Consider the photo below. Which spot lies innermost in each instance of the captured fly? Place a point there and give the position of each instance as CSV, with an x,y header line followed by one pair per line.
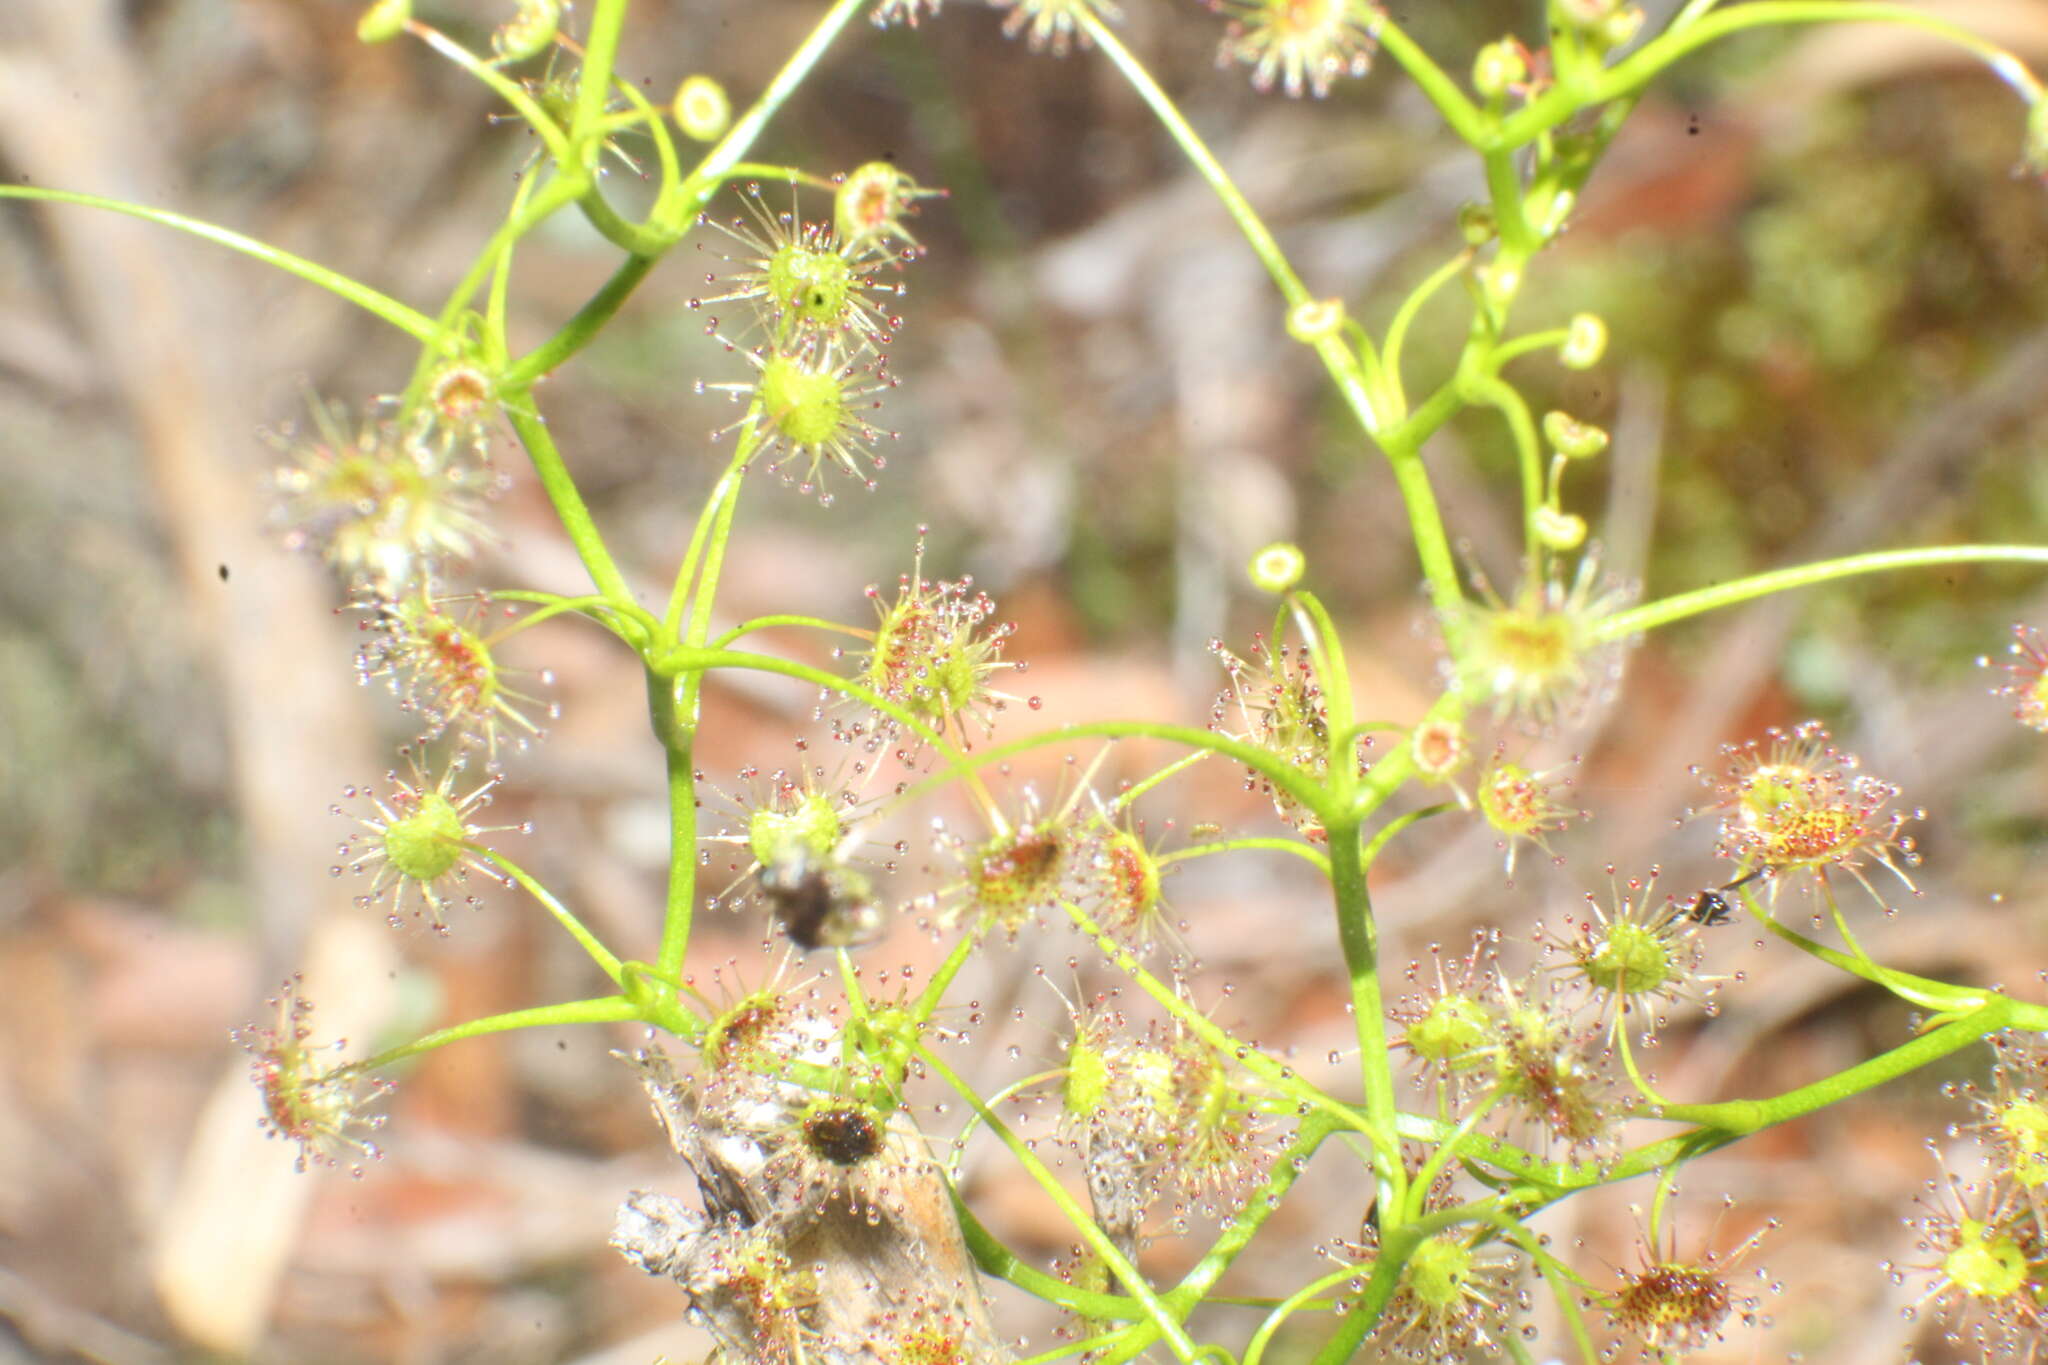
x,y
1710,908
820,904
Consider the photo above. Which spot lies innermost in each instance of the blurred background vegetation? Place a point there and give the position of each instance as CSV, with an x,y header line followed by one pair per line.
x,y
1826,289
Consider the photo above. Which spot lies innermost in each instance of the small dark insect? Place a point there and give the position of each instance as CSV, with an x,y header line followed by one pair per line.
x,y
819,906
1709,909
223,573
844,1137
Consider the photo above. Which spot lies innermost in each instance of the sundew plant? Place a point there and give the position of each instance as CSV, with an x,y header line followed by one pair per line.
x,y
823,1222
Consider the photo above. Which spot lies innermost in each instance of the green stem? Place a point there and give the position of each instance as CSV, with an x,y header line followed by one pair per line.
x,y
1641,66
1314,857
998,1260
1528,449
1651,615
1359,938
713,520
1404,316
1260,1205
593,607
1126,1274
770,622
1733,1118
560,487
1280,1077
607,1009
1525,345
503,86
579,330
719,163
594,79
1464,117
673,706
599,954
1255,1349
408,320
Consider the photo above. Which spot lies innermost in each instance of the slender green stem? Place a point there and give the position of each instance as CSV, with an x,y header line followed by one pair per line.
x,y
1360,940
1320,633
1314,857
502,85
1918,990
1426,520
998,1260
1124,798
635,239
408,320
1528,449
570,509
593,606
579,331
496,305
599,954
808,622
605,1009
1255,1349
1254,228
710,519
594,79
719,163
543,204
1316,1126
1280,1077
1126,1274
1638,68
673,705
1466,119
1404,317
1733,1118
1650,615
1526,345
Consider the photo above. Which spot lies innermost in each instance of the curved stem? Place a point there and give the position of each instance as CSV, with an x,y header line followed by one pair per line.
x,y
1514,409
1126,1274
560,486
580,329
502,85
1676,608
599,954
607,1009
1314,857
720,162
1404,316
1637,69
770,622
408,320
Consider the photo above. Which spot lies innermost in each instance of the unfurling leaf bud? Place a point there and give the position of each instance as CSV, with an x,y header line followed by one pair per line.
x,y
1498,68
1585,343
1311,322
1571,438
1559,530
384,21
1278,567
701,109
528,33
